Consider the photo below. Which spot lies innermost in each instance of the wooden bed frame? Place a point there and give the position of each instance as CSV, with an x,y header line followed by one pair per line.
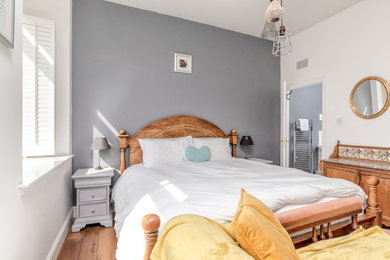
x,y
180,126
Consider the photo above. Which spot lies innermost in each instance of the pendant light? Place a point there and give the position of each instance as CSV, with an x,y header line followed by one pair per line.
x,y
281,38
269,31
274,12
282,43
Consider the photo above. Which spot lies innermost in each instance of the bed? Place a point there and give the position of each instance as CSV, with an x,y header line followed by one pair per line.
x,y
210,189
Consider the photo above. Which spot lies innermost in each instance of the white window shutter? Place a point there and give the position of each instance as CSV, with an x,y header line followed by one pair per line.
x,y
38,86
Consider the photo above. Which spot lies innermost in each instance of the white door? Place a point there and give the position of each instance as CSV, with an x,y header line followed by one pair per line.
x,y
284,127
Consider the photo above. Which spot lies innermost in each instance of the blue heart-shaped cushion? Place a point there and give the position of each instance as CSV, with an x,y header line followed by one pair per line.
x,y
198,155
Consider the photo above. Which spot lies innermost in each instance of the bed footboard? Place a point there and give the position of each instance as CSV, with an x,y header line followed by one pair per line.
x,y
320,224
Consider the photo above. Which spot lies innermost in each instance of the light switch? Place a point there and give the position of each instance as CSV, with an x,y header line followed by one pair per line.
x,y
320,117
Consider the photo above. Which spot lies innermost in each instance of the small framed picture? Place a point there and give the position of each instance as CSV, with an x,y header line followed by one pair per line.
x,y
7,22
183,63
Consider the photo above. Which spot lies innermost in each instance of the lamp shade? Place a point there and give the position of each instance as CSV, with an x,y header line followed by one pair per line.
x,y
269,31
100,143
274,12
246,140
282,43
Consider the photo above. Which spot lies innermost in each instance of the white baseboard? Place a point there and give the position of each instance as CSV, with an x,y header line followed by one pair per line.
x,y
57,244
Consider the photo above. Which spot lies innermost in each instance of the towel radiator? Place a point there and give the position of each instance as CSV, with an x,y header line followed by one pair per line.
x,y
303,147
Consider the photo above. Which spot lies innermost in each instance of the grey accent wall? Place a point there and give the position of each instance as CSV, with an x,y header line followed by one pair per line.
x,y
306,103
123,78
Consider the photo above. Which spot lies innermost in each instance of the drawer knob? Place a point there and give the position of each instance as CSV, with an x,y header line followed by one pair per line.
x,y
92,195
93,211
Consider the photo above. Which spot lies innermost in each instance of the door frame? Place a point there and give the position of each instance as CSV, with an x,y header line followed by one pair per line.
x,y
285,114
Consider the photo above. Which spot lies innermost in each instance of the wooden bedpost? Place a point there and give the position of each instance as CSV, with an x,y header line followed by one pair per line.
x,y
233,140
372,201
123,144
150,224
335,153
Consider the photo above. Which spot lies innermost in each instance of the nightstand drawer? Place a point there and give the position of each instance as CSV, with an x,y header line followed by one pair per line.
x,y
94,209
92,194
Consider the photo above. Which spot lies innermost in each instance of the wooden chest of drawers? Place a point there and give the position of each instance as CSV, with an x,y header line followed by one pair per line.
x,y
93,197
356,164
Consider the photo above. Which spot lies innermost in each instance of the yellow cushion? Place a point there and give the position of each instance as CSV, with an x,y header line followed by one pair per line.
x,y
259,232
192,237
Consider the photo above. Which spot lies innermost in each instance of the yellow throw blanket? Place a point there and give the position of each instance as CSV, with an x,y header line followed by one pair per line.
x,y
362,244
192,237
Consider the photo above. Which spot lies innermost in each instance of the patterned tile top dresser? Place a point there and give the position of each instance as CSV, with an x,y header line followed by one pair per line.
x,y
357,163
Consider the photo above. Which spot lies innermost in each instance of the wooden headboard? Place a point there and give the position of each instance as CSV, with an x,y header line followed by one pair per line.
x,y
170,127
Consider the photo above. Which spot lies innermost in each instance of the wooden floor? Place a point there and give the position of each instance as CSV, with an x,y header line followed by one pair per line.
x,y
94,242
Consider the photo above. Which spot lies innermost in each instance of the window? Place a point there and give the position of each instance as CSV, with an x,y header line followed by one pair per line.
x,y
38,87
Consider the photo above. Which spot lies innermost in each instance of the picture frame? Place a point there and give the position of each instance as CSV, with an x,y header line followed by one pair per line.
x,y
183,63
7,22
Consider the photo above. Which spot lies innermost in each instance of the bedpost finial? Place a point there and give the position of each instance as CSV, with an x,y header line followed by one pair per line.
x,y
151,222
374,181
234,131
122,132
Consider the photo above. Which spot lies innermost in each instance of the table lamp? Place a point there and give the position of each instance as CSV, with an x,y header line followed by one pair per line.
x,y
100,143
246,140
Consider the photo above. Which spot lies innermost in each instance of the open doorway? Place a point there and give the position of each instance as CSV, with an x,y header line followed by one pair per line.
x,y
305,128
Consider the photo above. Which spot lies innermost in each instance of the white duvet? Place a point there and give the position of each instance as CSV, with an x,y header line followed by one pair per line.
x,y
211,189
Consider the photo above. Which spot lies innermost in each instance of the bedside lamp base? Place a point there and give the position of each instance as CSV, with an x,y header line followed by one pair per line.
x,y
98,167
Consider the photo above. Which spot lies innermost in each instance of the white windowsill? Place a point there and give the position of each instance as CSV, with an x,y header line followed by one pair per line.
x,y
35,168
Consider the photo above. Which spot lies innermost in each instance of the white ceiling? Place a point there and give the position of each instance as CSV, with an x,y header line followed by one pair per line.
x,y
244,16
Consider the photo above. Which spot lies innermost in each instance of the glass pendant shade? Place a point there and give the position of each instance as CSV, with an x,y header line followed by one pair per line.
x,y
282,43
269,31
274,12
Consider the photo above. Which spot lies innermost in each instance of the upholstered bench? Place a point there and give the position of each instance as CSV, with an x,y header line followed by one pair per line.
x,y
319,214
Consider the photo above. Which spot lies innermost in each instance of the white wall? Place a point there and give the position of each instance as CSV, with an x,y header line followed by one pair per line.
x,y
59,11
30,223
342,50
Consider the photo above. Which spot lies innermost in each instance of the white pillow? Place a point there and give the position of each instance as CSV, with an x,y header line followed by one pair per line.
x,y
219,147
157,150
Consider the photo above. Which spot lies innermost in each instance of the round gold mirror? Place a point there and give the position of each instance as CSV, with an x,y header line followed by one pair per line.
x,y
370,97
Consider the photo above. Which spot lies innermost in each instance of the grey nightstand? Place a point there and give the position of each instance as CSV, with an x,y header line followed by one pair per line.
x,y
93,197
